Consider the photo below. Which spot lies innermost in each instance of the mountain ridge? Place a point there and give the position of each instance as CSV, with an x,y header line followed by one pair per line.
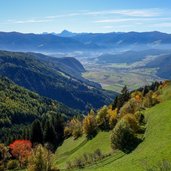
x,y
16,41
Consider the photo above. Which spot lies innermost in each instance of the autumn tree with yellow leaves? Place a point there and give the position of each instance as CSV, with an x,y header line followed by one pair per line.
x,y
90,125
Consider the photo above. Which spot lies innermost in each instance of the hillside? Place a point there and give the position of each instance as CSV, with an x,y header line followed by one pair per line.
x,y
163,63
19,107
128,57
155,147
59,79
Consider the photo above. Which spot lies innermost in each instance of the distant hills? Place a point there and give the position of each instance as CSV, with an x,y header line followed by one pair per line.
x,y
36,42
129,56
163,65
59,79
67,41
124,37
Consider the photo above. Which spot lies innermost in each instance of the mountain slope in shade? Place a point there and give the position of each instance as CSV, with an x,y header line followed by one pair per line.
x,y
49,78
21,106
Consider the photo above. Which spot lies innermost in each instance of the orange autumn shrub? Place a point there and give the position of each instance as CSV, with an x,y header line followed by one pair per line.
x,y
21,150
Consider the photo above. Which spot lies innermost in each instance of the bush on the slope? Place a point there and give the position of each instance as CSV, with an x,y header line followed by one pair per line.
x,y
21,150
40,159
12,164
102,118
123,137
90,125
132,121
86,159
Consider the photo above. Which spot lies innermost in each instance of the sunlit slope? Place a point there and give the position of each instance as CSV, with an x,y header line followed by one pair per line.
x,y
155,147
72,149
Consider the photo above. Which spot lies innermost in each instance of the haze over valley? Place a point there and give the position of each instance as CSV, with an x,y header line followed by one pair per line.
x,y
103,55
85,85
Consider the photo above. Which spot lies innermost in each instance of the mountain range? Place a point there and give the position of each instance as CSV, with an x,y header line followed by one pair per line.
x,y
67,41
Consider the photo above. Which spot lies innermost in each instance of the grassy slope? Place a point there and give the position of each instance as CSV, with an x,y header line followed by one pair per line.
x,y
155,147
72,149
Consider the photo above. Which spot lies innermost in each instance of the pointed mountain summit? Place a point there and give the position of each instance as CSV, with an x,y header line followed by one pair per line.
x,y
66,33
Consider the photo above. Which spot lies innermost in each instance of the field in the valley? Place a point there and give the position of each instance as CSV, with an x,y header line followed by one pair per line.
x,y
114,78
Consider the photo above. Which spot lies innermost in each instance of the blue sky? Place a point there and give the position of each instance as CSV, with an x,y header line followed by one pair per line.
x,y
39,16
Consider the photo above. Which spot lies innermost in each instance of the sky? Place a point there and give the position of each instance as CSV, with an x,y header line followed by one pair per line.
x,y
97,16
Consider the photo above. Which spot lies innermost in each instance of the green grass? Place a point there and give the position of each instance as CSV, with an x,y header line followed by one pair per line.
x,y
155,147
72,149
166,93
115,87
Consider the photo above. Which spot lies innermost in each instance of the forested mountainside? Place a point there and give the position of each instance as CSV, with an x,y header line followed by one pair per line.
x,y
117,136
54,78
68,65
19,107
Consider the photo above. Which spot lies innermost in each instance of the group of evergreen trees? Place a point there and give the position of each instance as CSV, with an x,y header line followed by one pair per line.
x,y
26,115
48,131
121,99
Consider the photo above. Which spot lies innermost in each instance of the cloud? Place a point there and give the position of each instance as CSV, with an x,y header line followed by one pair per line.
x,y
105,17
124,12
154,12
63,15
119,20
117,27
129,12
116,20
107,27
29,21
141,13
164,24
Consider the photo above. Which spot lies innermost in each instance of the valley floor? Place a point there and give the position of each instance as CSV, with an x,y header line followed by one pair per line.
x,y
116,77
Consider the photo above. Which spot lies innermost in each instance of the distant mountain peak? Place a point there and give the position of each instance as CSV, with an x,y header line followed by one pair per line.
x,y
66,33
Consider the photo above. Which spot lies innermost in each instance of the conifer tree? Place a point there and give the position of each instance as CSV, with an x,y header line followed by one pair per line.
x,y
124,97
50,137
36,133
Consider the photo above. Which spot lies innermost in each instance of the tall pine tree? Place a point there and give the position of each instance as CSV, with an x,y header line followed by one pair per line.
x,y
36,133
50,136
